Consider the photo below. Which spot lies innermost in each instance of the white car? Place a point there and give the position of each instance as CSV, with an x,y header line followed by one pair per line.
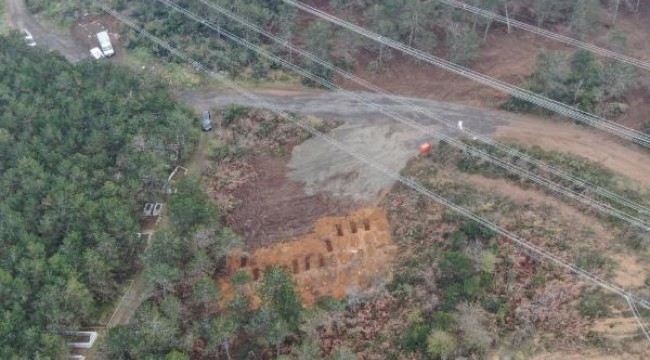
x,y
29,39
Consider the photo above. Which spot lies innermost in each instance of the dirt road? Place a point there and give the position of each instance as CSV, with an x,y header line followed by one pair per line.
x,y
366,130
44,35
373,134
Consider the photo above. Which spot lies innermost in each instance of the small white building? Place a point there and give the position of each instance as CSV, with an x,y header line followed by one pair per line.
x,y
91,335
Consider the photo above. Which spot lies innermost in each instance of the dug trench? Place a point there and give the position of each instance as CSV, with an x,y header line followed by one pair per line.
x,y
341,258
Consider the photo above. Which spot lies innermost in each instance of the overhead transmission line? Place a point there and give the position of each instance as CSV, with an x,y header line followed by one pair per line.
x,y
639,319
615,55
553,105
423,111
422,128
534,250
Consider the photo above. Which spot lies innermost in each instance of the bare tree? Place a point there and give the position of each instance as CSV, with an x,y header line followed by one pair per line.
x,y
471,320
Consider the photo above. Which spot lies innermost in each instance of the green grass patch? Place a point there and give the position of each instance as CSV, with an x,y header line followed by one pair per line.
x,y
182,76
178,76
594,303
592,260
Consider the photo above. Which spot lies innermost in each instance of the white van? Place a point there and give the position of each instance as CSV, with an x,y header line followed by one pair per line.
x,y
105,43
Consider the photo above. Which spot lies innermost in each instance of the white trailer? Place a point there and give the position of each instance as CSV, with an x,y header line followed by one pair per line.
x,y
105,43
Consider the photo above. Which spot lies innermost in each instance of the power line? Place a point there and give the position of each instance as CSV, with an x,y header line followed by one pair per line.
x,y
531,248
553,105
424,129
512,152
549,34
638,318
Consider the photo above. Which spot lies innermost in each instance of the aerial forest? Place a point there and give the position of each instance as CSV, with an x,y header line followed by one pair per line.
x,y
82,148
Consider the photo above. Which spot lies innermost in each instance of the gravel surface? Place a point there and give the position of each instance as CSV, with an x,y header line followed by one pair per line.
x,y
44,36
365,130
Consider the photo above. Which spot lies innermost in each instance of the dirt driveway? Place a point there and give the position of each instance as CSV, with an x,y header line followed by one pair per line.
x,y
369,132
44,35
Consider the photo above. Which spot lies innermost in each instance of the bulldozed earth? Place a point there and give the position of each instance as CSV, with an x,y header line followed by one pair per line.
x,y
342,257
246,172
340,247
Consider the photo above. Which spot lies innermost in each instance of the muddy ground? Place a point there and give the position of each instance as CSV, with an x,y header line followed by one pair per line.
x,y
341,257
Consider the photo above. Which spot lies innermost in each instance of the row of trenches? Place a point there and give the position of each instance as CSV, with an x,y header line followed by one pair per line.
x,y
353,227
308,262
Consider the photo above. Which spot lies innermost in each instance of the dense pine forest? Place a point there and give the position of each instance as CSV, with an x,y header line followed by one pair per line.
x,y
82,148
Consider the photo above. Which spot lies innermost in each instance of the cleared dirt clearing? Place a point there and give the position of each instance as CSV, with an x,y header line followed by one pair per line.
x,y
273,207
373,134
623,158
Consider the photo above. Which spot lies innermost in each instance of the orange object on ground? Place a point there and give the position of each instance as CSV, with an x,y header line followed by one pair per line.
x,y
425,148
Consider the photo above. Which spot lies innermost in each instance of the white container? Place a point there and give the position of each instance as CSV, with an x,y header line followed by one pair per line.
x,y
96,53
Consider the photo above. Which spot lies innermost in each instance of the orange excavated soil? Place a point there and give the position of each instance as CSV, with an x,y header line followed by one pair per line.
x,y
342,257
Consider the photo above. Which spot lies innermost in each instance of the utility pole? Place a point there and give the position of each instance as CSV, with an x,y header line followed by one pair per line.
x,y
618,3
507,18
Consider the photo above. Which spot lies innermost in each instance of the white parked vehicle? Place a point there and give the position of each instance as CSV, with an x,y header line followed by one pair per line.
x,y
105,43
96,53
29,39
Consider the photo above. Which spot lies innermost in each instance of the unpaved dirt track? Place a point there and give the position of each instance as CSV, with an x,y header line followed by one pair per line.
x,y
384,140
44,36
366,131
623,158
